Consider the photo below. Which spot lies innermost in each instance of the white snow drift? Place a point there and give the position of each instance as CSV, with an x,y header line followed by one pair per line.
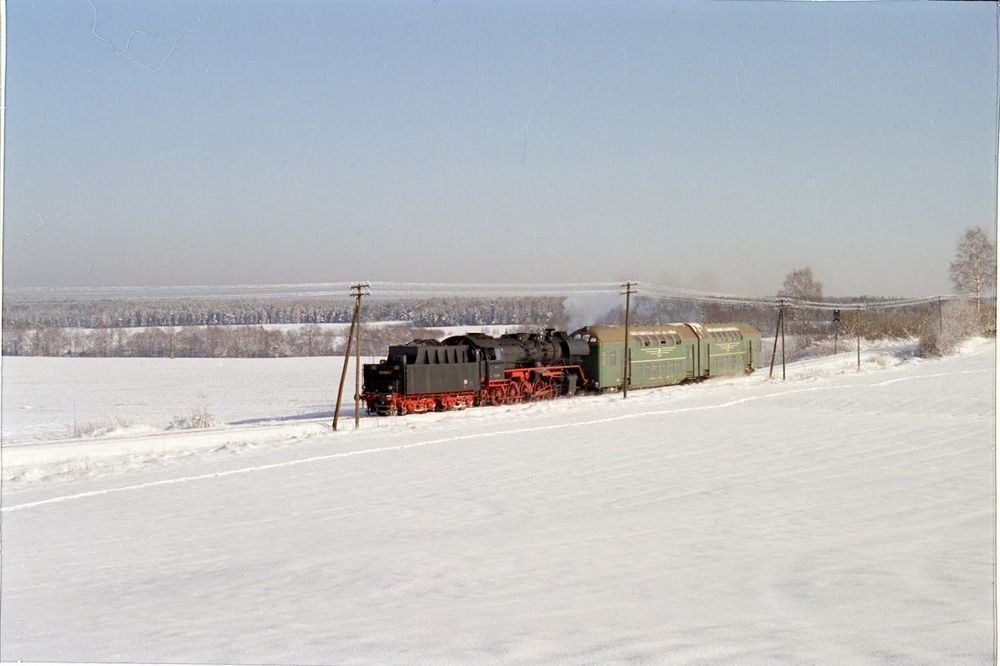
x,y
838,517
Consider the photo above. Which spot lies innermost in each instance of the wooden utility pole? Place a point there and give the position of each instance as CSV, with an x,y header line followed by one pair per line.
x,y
859,336
778,326
626,369
357,291
782,342
357,370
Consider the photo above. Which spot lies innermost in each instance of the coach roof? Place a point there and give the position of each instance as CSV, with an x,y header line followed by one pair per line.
x,y
692,331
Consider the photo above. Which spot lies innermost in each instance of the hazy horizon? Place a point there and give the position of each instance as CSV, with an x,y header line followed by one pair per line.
x,y
714,146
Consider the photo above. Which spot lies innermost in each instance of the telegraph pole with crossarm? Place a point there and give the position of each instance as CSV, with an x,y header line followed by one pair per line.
x,y
357,291
627,290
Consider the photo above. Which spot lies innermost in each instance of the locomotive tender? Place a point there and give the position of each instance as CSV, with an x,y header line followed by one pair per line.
x,y
478,369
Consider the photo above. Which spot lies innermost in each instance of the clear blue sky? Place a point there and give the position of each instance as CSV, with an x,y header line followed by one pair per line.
x,y
714,145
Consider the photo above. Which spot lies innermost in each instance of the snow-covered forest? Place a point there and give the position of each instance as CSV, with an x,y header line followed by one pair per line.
x,y
132,313
246,328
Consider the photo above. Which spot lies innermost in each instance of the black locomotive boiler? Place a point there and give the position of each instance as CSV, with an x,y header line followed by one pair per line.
x,y
474,369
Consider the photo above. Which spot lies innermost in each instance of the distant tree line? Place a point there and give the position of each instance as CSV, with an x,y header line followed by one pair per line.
x,y
218,328
214,328
134,313
201,342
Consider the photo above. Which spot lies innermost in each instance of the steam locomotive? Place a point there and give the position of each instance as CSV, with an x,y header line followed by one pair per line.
x,y
474,369
477,369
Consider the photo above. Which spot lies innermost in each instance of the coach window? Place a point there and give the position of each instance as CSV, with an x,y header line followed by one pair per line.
x,y
613,358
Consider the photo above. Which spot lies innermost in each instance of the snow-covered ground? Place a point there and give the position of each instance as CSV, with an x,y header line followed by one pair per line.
x,y
837,517
55,398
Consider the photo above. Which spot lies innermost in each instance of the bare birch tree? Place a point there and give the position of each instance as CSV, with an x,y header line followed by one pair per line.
x,y
800,284
974,270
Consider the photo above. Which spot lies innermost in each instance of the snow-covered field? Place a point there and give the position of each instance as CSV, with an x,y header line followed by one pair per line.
x,y
56,398
837,517
44,397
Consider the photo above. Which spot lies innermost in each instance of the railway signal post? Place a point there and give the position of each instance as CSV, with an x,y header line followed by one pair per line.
x,y
626,361
836,329
357,291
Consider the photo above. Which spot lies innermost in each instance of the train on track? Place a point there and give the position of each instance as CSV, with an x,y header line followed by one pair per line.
x,y
477,369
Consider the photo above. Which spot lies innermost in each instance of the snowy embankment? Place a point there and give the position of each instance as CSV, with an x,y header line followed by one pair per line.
x,y
838,517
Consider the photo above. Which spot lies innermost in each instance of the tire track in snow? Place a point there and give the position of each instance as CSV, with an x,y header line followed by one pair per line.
x,y
938,374
459,438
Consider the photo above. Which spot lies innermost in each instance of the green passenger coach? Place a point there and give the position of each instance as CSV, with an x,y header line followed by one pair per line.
x,y
663,354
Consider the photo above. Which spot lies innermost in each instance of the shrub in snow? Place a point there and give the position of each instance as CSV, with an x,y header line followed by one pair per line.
x,y
959,320
200,418
97,429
